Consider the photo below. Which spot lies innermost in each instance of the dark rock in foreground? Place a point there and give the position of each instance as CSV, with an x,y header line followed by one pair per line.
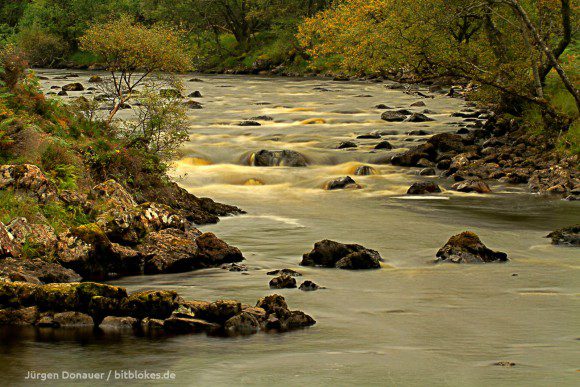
x,y
393,116
346,145
567,236
478,186
278,158
328,253
74,305
468,248
73,87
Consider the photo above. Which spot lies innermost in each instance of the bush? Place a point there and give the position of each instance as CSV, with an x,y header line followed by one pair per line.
x,y
41,47
13,66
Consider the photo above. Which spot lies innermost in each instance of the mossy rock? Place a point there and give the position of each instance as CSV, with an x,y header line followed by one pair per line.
x,y
16,294
75,296
155,304
92,234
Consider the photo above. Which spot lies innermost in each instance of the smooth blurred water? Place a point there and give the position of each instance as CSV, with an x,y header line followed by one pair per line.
x,y
411,323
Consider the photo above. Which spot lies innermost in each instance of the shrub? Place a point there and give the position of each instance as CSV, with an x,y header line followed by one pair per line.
x,y
41,47
13,66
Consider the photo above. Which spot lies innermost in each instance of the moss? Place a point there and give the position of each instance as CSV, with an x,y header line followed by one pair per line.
x,y
15,294
464,240
155,304
91,233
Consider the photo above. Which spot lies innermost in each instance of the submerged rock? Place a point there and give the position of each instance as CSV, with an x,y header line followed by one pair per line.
x,y
329,253
423,187
282,158
249,123
289,272
283,282
309,286
369,136
384,145
346,145
567,236
418,117
365,170
468,248
346,182
478,186
393,116
73,87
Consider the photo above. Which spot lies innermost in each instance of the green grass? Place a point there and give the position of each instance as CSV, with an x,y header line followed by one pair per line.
x,y
81,58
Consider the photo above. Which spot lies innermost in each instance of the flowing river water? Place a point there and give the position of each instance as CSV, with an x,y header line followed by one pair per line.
x,y
413,323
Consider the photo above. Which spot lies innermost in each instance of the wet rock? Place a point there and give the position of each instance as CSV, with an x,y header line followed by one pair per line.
x,y
59,297
384,145
73,87
158,304
217,312
117,323
382,106
423,188
393,116
71,319
418,104
297,319
249,123
427,172
463,131
283,282
95,79
419,132
19,317
62,93
151,324
477,186
418,117
505,364
371,135
193,104
290,272
29,179
234,267
365,170
308,286
195,94
346,182
170,251
213,251
242,324
328,253
346,145
567,236
412,156
284,158
468,248
445,142
184,325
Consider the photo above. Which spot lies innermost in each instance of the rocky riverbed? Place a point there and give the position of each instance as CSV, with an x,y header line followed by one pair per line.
x,y
410,321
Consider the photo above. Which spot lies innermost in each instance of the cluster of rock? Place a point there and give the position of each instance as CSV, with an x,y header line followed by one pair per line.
x,y
91,305
327,253
567,236
125,238
285,280
498,150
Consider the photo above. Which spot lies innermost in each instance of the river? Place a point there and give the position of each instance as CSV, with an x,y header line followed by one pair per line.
x,y
411,323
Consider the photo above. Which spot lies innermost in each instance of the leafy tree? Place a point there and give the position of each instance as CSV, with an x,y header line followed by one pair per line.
x,y
132,52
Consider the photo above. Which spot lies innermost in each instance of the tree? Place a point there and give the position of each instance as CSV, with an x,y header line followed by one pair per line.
x,y
503,45
132,52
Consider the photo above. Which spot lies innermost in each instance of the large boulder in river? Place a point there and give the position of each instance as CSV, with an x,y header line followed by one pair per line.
x,y
342,183
172,251
36,271
418,117
423,187
393,116
283,282
567,236
73,87
411,157
282,158
468,248
329,253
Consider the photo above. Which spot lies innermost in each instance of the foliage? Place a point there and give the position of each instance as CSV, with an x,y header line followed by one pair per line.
x,y
132,51
41,47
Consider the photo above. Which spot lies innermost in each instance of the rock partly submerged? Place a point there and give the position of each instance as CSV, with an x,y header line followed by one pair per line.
x,y
468,248
567,236
329,253
108,307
